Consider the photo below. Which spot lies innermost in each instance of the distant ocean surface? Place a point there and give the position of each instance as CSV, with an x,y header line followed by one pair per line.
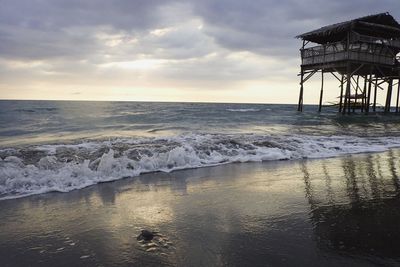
x,y
62,145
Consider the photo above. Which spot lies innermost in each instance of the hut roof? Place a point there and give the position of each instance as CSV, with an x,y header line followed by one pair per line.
x,y
380,25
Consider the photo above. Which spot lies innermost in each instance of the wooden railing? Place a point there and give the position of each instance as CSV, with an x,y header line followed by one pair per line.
x,y
356,37
357,51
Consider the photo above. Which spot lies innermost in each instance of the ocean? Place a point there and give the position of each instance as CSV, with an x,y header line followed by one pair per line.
x,y
48,146
217,184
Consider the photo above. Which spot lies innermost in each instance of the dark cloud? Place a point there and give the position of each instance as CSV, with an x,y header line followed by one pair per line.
x,y
268,27
34,29
56,14
50,28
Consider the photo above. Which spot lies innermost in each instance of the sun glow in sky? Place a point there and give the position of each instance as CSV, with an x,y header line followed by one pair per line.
x,y
164,50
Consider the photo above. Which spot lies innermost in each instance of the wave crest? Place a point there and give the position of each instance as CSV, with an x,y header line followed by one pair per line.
x,y
40,169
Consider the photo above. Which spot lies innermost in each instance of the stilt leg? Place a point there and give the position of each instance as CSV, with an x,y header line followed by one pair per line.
x,y
341,94
389,96
368,95
375,93
398,95
322,91
300,105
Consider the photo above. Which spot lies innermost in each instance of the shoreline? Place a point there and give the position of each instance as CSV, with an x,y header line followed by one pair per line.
x,y
280,213
10,198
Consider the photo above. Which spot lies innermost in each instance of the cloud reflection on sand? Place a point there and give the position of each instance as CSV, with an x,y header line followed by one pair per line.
x,y
326,212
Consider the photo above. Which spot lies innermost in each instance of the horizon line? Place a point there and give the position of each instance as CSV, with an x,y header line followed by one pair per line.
x,y
151,101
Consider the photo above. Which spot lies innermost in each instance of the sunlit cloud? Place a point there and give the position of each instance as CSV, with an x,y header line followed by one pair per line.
x,y
161,32
141,64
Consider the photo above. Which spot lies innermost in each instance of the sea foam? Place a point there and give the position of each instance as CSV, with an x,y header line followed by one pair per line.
x,y
243,109
61,167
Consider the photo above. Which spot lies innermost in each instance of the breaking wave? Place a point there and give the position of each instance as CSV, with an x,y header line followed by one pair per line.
x,y
65,167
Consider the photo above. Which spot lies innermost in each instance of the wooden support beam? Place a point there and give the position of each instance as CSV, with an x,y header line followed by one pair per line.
x,y
300,105
337,78
380,70
309,76
341,94
356,86
363,100
357,69
355,94
347,94
369,94
307,72
375,92
397,98
389,96
383,81
378,85
322,91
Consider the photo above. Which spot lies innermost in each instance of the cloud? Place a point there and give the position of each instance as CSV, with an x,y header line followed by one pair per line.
x,y
37,29
136,42
45,29
268,27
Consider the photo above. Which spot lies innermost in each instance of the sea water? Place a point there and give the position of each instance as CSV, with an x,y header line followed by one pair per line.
x,y
63,145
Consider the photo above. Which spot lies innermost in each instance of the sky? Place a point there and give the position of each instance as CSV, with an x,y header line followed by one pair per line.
x,y
165,50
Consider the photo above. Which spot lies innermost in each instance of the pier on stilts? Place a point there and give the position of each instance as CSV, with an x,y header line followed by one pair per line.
x,y
362,55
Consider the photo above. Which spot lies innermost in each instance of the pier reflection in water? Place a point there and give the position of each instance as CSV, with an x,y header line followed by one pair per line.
x,y
324,212
358,213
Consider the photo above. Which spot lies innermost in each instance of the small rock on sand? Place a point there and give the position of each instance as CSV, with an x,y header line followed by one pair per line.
x,y
145,235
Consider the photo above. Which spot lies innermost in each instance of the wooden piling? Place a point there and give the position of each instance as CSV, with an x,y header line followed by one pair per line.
x,y
398,95
348,98
355,94
300,105
322,91
389,95
369,94
347,94
341,94
363,100
375,92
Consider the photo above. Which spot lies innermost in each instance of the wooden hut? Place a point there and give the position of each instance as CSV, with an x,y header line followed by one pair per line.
x,y
361,54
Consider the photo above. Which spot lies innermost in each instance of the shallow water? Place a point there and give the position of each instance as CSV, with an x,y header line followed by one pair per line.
x,y
324,212
62,146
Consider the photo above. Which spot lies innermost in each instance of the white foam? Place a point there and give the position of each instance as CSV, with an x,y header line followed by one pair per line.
x,y
243,109
68,167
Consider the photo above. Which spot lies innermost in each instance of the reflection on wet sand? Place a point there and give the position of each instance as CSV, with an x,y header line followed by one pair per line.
x,y
330,212
365,220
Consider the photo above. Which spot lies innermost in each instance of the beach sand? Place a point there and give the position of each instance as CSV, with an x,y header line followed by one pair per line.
x,y
324,212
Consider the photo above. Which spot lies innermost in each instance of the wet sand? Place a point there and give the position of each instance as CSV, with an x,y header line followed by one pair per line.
x,y
327,212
